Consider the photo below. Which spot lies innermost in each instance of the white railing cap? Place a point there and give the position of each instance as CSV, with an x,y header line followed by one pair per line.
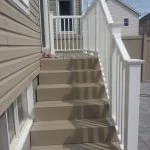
x,y
135,61
67,17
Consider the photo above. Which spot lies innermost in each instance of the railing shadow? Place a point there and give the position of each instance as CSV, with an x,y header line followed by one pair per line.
x,y
93,129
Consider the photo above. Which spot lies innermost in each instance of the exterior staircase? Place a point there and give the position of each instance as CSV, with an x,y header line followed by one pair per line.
x,y
72,109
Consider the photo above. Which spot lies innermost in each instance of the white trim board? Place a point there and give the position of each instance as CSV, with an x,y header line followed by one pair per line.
x,y
21,139
24,5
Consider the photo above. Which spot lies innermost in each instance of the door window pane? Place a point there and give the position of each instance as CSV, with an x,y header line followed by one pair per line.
x,y
66,7
11,123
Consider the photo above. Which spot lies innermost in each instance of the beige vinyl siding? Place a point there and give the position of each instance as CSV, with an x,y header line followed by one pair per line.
x,y
78,7
52,6
20,48
119,12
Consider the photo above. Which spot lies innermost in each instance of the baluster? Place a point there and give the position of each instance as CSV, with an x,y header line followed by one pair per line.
x,y
56,34
61,30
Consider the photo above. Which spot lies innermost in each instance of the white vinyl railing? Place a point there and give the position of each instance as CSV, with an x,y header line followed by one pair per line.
x,y
102,37
65,32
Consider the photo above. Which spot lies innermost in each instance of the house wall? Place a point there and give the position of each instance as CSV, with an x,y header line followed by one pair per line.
x,y
119,12
20,48
53,6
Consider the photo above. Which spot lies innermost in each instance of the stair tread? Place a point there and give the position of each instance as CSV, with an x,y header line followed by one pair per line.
x,y
69,124
70,103
43,86
84,146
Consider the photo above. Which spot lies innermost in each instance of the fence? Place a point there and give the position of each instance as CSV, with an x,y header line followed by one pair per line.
x,y
139,48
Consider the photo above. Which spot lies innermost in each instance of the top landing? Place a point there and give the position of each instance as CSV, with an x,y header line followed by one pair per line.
x,y
71,55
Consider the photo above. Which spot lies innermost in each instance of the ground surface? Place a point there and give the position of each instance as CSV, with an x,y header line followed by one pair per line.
x,y
144,125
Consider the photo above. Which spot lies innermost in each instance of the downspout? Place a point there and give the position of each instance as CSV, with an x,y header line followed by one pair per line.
x,y
46,25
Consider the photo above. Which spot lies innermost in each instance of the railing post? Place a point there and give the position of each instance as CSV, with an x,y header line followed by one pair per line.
x,y
88,31
46,24
51,33
132,101
116,31
96,27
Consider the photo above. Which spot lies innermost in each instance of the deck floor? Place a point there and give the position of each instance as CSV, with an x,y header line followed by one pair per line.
x,y
72,54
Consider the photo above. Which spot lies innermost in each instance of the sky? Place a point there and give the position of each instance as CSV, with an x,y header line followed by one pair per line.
x,y
143,6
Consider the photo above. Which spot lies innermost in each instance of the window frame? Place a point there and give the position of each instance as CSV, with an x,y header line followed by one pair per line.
x,y
23,5
126,22
21,129
11,143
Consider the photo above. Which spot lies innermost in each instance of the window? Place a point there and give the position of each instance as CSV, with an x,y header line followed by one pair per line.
x,y
19,118
17,114
23,4
126,22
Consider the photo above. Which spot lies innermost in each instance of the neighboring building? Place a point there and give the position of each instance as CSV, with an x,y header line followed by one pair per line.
x,y
145,25
126,15
66,7
20,48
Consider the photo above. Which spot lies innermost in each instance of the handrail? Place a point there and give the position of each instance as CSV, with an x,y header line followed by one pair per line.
x,y
107,12
102,37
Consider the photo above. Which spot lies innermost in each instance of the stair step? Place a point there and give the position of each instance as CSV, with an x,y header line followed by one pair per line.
x,y
70,91
85,146
69,64
69,77
75,109
71,132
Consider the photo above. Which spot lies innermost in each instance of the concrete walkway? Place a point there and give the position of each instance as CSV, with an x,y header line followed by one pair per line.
x,y
144,124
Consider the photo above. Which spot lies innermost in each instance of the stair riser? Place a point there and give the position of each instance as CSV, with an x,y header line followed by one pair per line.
x,y
70,77
69,136
59,94
71,112
70,64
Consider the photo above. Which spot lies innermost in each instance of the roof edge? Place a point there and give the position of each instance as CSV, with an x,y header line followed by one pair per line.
x,y
146,15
